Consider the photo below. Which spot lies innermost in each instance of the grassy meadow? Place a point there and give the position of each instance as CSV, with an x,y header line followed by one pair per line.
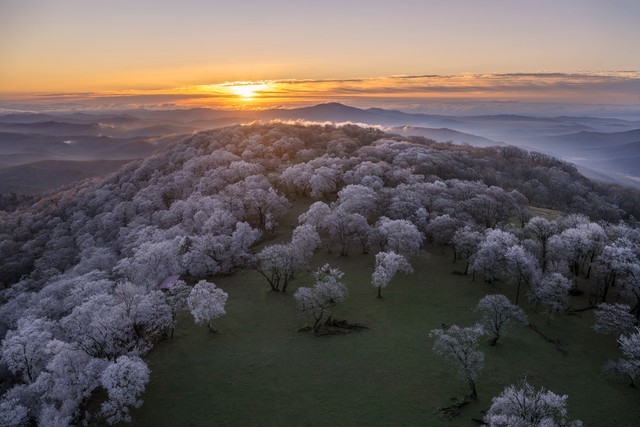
x,y
260,371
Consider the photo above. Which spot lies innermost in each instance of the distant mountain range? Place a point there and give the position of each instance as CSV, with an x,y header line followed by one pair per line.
x,y
41,176
604,148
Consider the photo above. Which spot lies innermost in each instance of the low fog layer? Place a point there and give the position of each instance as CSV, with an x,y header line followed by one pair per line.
x,y
605,149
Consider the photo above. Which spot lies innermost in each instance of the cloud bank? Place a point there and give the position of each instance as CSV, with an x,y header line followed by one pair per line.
x,y
464,93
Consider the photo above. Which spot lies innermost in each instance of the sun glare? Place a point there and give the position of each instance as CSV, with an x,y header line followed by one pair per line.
x,y
247,91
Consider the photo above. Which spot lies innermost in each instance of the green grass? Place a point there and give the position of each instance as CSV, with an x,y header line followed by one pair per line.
x,y
550,214
258,370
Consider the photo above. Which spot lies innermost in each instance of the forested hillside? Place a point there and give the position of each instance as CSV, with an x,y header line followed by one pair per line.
x,y
81,267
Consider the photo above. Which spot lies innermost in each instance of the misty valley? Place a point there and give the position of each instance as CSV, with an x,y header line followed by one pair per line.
x,y
36,148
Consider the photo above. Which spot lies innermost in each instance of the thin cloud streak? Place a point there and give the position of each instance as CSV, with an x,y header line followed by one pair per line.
x,y
614,88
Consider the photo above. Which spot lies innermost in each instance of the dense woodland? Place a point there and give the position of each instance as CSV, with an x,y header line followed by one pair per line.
x,y
81,266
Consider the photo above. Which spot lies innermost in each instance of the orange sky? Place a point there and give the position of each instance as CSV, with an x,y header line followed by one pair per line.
x,y
621,88
298,52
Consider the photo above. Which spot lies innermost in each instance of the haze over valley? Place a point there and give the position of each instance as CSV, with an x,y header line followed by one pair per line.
x,y
604,149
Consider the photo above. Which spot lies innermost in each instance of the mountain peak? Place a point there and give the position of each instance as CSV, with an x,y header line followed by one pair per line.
x,y
334,106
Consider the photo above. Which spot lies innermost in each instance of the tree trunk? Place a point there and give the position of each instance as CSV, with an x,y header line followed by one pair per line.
x,y
344,251
474,392
211,330
607,285
379,291
493,341
590,263
518,293
316,325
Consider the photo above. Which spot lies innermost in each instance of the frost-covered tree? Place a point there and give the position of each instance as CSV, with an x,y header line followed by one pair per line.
x,y
459,347
341,227
176,297
629,365
242,238
630,285
124,380
552,291
315,215
523,406
151,263
465,243
325,180
69,379
398,235
613,319
102,327
261,202
388,264
219,253
498,312
441,229
12,413
578,246
305,239
151,315
357,198
279,264
491,256
206,302
617,261
542,229
327,292
522,267
23,348
361,232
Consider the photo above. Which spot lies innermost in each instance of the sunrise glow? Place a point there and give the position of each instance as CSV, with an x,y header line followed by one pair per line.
x,y
69,52
246,91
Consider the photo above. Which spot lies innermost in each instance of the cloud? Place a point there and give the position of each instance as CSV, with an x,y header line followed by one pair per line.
x,y
617,88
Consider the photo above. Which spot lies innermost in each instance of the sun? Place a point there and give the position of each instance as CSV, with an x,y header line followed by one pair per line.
x,y
247,91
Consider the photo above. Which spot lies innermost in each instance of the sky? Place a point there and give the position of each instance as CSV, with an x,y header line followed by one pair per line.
x,y
261,54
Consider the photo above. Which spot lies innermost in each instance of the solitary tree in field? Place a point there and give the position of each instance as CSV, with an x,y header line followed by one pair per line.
x,y
279,264
459,347
497,312
387,265
325,294
523,406
206,303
